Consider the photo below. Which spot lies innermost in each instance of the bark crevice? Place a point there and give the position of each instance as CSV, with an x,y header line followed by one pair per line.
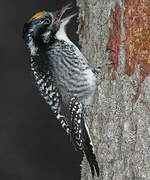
x,y
120,125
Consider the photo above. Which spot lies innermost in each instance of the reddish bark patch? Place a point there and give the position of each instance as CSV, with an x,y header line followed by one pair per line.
x,y
137,36
114,37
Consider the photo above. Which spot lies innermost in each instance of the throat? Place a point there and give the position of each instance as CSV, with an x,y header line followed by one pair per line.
x,y
61,35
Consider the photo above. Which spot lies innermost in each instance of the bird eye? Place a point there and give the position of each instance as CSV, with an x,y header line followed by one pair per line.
x,y
47,21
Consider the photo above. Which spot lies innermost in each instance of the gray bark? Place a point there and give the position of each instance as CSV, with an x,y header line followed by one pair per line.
x,y
120,127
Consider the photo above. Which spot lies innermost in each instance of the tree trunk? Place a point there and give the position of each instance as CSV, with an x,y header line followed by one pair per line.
x,y
120,116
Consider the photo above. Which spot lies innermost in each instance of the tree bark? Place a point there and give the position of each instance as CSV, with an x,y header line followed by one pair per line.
x,y
120,116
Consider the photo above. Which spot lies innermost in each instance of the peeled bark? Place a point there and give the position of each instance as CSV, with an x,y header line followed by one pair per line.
x,y
120,116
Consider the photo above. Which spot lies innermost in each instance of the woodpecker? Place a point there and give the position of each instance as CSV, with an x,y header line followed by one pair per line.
x,y
63,76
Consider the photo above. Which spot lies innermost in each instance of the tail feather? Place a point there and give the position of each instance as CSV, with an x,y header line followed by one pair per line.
x,y
80,136
88,150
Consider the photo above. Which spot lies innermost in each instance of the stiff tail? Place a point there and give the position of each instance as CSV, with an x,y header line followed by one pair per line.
x,y
80,136
88,150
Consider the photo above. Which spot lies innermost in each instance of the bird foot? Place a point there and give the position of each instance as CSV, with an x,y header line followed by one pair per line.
x,y
104,62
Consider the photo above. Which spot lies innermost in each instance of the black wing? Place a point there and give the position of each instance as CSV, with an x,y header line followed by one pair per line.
x,y
46,84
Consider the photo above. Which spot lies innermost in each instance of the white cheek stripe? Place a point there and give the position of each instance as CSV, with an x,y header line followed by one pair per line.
x,y
61,33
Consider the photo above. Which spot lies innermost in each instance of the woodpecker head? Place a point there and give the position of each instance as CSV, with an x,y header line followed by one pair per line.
x,y
42,28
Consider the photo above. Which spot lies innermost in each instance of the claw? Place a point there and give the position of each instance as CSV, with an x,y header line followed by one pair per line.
x,y
105,61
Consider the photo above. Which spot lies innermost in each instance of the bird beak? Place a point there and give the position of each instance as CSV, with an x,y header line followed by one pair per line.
x,y
60,13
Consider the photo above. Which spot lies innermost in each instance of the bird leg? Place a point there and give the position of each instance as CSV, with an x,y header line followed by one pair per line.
x,y
104,62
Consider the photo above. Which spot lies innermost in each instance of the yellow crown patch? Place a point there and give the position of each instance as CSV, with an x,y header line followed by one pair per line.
x,y
37,15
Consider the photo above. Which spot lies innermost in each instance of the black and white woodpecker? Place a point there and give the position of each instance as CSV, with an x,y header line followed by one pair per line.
x,y
63,76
